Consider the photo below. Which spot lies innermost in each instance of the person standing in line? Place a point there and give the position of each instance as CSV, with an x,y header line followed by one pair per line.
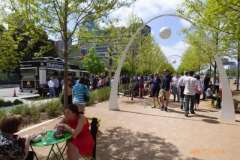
x,y
141,87
56,86
189,93
198,91
155,90
150,84
51,87
181,86
206,83
165,90
80,92
174,85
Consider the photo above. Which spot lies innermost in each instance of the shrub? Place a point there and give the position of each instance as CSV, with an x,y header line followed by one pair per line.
x,y
103,94
35,114
21,109
17,102
92,98
9,103
42,107
54,108
1,102
2,114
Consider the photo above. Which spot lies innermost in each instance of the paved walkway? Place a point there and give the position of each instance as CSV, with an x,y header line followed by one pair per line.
x,y
138,132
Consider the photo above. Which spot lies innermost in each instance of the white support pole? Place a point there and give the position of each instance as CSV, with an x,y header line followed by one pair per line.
x,y
227,110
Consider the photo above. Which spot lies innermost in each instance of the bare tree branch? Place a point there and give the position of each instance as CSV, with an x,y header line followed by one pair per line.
x,y
81,17
55,5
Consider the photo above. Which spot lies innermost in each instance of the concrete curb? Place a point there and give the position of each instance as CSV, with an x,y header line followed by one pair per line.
x,y
38,125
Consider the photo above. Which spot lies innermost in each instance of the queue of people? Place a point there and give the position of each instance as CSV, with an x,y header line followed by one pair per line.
x,y
186,89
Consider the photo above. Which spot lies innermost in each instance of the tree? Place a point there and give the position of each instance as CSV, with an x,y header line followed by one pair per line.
x,y
64,17
29,41
213,19
8,55
93,63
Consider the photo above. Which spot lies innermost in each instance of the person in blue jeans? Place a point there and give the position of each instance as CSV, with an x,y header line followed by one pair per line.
x,y
190,92
80,92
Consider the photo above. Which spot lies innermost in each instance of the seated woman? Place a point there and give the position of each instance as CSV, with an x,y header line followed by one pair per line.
x,y
82,143
13,147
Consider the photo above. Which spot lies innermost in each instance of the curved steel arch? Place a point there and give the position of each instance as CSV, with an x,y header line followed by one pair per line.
x,y
227,112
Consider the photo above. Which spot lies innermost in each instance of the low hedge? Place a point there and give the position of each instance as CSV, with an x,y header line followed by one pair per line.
x,y
99,95
9,103
51,109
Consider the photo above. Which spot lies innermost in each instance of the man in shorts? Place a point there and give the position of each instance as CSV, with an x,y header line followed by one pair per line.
x,y
165,90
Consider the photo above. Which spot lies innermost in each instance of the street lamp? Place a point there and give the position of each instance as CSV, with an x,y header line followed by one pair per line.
x,y
227,110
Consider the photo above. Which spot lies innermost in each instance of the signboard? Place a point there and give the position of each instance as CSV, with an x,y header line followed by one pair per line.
x,y
55,66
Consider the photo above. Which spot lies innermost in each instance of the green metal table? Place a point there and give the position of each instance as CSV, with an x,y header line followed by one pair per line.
x,y
49,140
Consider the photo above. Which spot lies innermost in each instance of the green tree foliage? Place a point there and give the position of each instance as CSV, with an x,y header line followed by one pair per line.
x,y
63,17
8,56
216,30
26,41
93,63
144,56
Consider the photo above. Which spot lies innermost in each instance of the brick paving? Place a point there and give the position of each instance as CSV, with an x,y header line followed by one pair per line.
x,y
138,132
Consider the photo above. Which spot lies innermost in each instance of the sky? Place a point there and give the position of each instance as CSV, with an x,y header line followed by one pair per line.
x,y
147,9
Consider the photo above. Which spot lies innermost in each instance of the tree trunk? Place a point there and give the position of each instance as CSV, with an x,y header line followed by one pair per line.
x,y
215,64
210,69
238,65
65,39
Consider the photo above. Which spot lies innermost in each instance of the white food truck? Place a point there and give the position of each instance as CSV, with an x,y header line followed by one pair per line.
x,y
36,73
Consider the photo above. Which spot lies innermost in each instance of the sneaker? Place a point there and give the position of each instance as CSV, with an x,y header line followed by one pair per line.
x,y
153,106
186,114
192,112
166,109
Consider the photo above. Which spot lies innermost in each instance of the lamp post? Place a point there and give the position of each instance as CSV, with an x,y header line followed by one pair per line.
x,y
227,111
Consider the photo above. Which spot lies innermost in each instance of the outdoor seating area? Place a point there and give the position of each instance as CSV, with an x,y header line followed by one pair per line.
x,y
119,79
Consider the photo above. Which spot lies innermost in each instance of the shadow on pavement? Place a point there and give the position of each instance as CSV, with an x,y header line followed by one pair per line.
x,y
211,121
122,144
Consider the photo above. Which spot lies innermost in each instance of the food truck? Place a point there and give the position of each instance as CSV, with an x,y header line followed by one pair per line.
x,y
36,73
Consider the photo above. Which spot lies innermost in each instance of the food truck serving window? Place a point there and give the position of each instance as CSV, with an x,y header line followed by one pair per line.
x,y
28,73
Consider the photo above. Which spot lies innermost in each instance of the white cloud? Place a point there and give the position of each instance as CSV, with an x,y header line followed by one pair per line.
x,y
177,49
146,9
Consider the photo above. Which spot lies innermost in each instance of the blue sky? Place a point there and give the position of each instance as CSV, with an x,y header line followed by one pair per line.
x,y
147,9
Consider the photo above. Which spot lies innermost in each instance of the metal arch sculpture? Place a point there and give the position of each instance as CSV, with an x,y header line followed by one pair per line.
x,y
227,111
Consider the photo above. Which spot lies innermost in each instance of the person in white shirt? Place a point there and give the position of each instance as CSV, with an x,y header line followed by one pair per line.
x,y
51,87
181,86
174,85
189,93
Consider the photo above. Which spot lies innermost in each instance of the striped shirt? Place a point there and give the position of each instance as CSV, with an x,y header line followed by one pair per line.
x,y
79,92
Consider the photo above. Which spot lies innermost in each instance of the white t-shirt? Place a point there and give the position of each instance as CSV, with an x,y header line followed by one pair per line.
x,y
175,81
50,84
190,85
181,81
